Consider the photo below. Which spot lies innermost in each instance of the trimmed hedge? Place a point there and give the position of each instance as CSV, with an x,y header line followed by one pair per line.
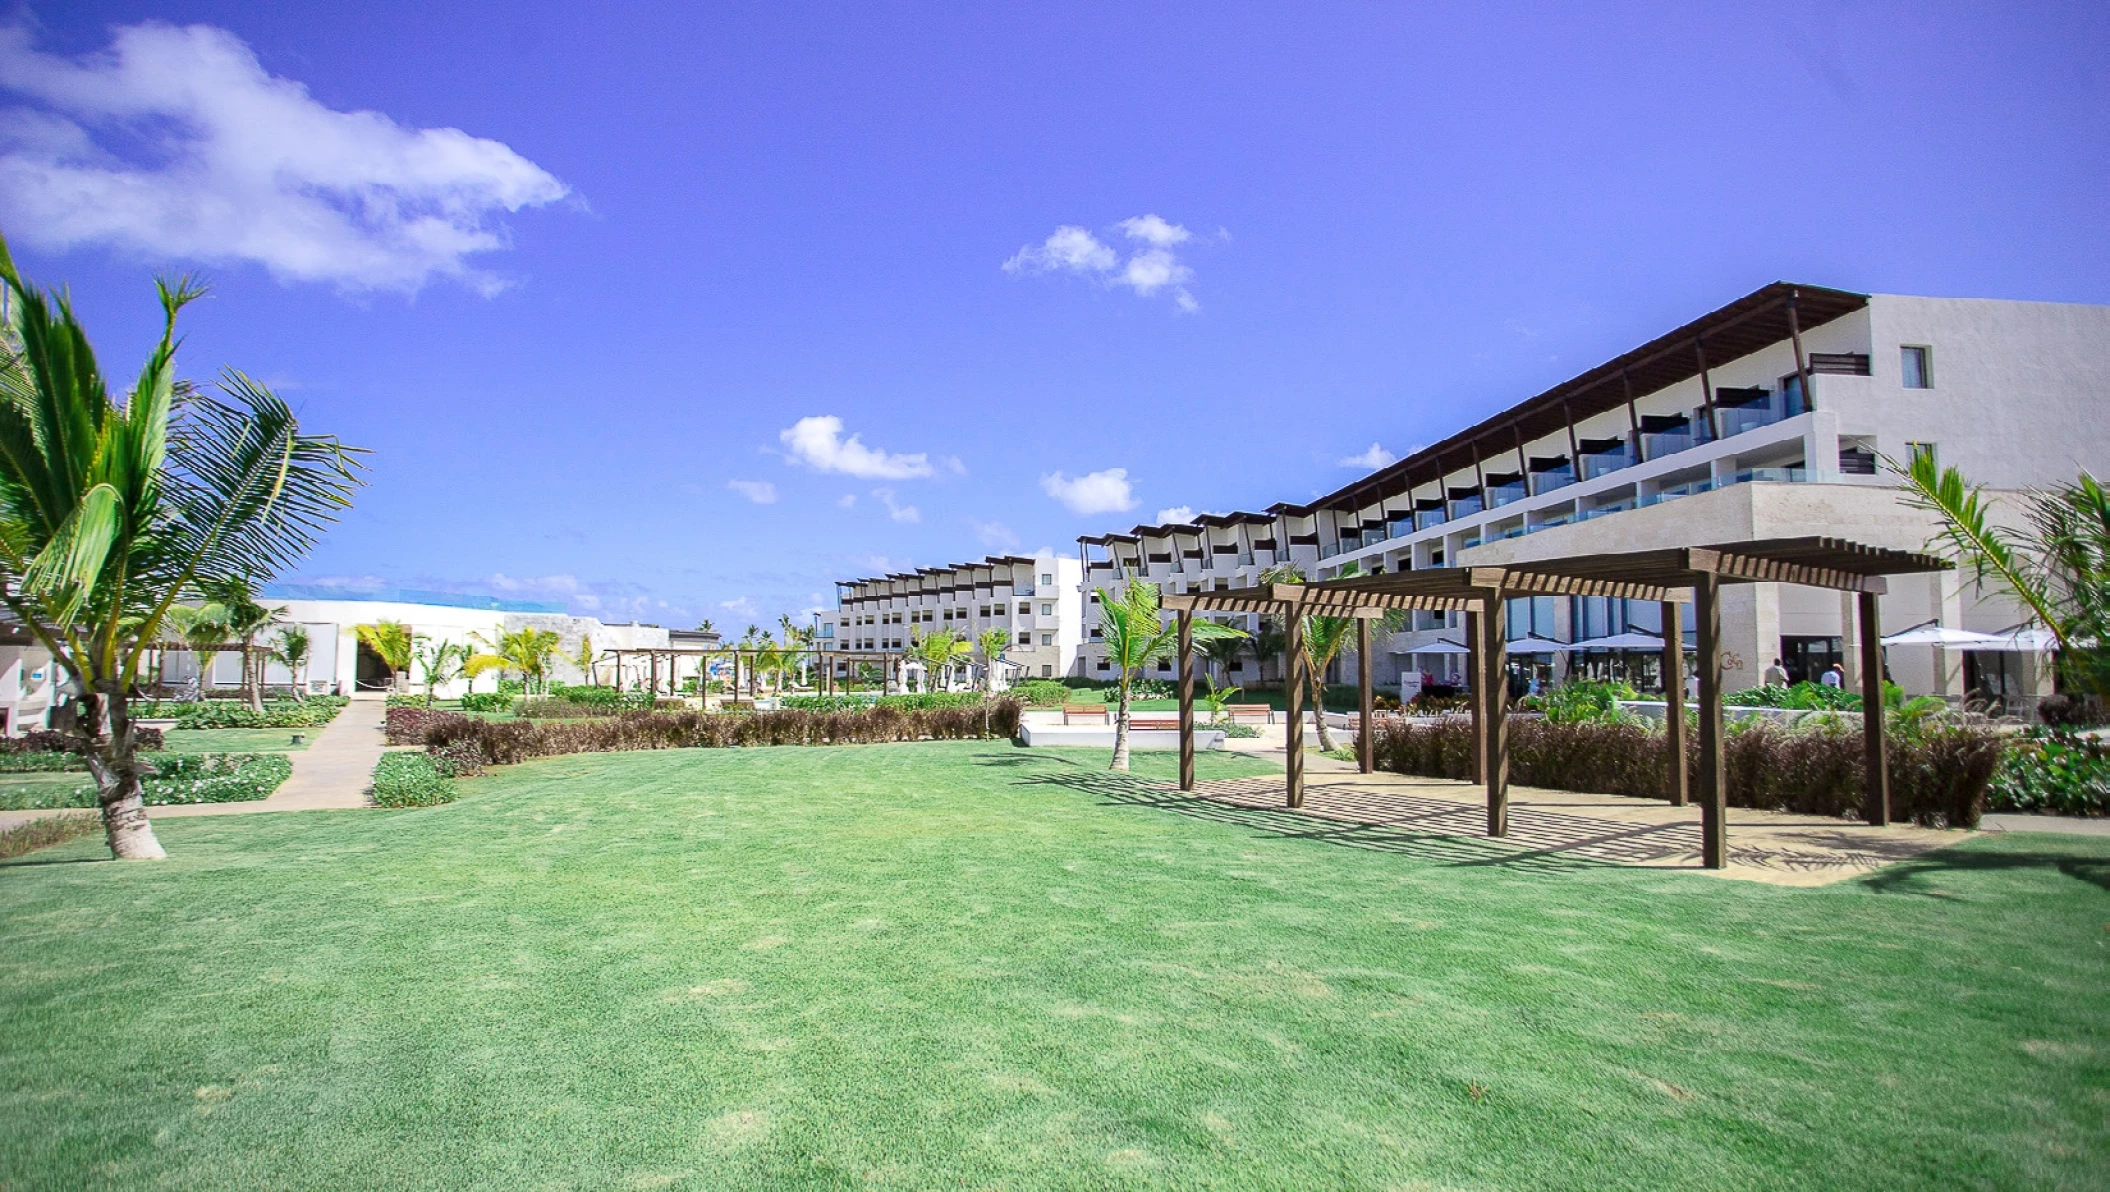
x,y
478,742
486,701
558,707
411,780
228,713
1938,777
44,751
2056,775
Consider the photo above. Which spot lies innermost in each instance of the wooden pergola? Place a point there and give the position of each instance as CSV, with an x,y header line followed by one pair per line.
x,y
647,663
1670,576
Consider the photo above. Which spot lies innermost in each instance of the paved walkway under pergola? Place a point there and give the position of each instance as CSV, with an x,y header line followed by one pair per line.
x,y
1443,820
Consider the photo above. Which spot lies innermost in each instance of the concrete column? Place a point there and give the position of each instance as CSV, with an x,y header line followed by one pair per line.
x,y
1820,446
1849,641
1750,633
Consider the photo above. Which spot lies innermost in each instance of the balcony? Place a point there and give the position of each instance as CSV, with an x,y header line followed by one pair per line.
x,y
1794,474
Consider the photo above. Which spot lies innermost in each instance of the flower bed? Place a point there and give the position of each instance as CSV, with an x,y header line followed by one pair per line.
x,y
485,742
1938,775
228,713
412,780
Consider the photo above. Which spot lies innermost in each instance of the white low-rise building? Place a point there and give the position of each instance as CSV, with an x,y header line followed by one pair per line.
x,y
1767,418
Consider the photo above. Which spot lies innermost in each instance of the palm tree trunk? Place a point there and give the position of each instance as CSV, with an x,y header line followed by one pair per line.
x,y
1318,707
1121,729
113,760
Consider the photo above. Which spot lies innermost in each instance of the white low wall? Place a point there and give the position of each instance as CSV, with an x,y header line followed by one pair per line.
x,y
1101,736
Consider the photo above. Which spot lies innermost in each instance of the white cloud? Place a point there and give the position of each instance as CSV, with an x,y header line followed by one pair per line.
x,y
818,443
995,535
245,167
761,492
1095,492
900,513
739,606
1376,457
547,584
1176,515
1151,269
846,501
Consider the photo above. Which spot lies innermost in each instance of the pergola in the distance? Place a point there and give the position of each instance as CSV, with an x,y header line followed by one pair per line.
x,y
1670,576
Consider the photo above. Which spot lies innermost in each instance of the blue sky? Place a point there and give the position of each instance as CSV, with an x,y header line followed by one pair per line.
x,y
613,345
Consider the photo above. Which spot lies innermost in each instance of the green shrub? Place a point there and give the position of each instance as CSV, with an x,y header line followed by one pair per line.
x,y
405,701
214,777
1042,693
228,713
1233,729
930,701
1939,772
826,703
1579,700
595,697
405,779
2054,774
484,701
512,687
474,741
41,763
554,708
45,831
1801,697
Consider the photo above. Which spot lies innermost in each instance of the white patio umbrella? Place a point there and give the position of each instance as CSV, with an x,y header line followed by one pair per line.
x,y
2024,641
1629,640
1532,643
1441,645
1931,634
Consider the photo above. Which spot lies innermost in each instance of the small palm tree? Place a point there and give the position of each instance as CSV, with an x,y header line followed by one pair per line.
x,y
244,618
1136,635
1323,639
584,659
391,642
937,651
441,662
2058,567
1223,651
291,651
201,628
991,644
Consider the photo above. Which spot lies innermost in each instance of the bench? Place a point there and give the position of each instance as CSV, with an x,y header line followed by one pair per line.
x,y
1136,721
1096,712
1249,713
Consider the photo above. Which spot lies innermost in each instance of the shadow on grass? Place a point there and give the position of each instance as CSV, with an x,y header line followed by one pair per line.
x,y
1900,878
1428,830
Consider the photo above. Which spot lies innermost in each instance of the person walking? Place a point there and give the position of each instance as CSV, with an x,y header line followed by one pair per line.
x,y
1834,676
1776,675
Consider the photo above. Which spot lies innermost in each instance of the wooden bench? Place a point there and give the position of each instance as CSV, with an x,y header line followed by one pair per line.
x,y
1095,711
1156,721
1249,713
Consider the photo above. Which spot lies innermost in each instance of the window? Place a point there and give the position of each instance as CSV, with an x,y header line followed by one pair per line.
x,y
1105,665
1046,580
1024,609
1917,451
1047,610
1047,639
1916,367
1025,639
1046,671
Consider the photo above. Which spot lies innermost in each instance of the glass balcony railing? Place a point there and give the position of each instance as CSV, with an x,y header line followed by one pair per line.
x,y
1504,494
1428,518
1605,464
1737,421
1548,481
1605,510
1791,475
1466,507
1687,489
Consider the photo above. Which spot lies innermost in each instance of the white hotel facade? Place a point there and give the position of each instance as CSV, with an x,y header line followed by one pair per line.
x,y
1767,418
1035,599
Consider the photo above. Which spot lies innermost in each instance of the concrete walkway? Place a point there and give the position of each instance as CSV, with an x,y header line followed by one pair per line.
x,y
2069,824
333,772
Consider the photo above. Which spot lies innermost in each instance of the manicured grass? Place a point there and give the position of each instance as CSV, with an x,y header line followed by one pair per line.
x,y
58,788
238,740
968,965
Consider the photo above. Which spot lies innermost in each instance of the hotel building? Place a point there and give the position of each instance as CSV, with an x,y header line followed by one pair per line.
x,y
1767,418
1036,600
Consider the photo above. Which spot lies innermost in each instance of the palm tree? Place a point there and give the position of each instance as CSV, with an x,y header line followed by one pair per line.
x,y
1323,639
2058,567
243,618
390,641
292,651
584,658
1223,651
111,513
937,651
442,662
200,627
1136,635
992,643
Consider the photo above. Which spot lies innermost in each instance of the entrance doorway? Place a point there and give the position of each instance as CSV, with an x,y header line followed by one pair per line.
x,y
1807,658
374,673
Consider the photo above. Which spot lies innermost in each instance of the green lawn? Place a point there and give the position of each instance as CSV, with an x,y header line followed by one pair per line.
x,y
968,965
238,740
58,788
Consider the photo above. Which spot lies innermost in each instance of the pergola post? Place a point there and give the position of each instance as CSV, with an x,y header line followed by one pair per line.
x,y
1477,697
1714,792
1676,776
1185,619
1366,748
1494,656
1293,703
1876,780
